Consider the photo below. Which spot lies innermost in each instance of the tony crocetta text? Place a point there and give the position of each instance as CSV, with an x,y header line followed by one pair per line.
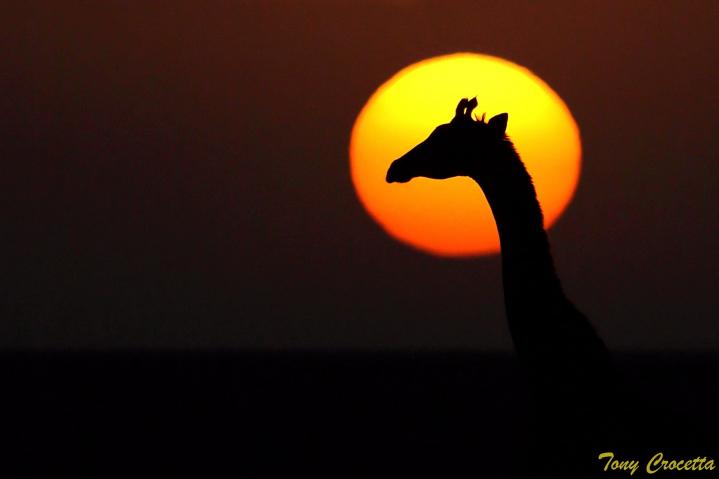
x,y
658,463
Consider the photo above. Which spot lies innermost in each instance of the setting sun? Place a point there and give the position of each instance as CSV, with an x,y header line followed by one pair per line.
x,y
452,217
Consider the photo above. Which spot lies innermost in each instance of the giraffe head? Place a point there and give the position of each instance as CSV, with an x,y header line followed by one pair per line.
x,y
461,147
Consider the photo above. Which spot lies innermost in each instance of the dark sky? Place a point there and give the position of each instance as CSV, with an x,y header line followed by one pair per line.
x,y
175,174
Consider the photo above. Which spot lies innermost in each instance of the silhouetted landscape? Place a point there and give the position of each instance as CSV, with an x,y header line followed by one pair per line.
x,y
326,414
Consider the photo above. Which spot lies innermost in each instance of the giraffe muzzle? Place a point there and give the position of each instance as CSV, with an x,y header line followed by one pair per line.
x,y
397,173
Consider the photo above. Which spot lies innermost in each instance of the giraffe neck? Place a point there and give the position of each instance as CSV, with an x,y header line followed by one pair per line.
x,y
557,346
531,285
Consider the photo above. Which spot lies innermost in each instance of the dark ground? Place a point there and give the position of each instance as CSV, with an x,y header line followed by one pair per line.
x,y
310,414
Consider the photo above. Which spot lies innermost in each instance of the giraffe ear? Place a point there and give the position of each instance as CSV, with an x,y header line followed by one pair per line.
x,y
498,123
459,112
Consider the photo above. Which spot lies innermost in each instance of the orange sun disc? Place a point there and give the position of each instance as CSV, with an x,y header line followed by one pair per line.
x,y
452,217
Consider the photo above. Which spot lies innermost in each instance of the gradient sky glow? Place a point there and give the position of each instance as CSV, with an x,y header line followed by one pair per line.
x,y
174,174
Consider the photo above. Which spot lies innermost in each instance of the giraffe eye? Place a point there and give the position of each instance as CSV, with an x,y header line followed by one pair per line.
x,y
439,131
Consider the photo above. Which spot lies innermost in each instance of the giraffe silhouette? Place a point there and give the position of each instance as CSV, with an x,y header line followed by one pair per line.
x,y
568,368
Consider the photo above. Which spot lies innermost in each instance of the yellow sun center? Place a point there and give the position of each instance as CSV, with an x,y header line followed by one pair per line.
x,y
452,217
